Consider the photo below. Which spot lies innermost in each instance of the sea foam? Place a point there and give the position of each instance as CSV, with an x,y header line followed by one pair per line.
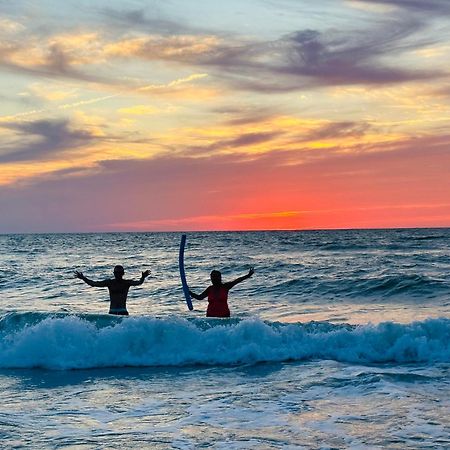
x,y
75,342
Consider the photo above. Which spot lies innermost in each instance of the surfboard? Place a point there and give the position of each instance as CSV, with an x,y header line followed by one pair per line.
x,y
183,274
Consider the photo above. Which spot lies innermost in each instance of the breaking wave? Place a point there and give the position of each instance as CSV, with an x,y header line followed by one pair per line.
x,y
65,341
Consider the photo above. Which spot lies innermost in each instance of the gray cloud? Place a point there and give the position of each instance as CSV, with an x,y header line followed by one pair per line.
x,y
427,6
150,22
311,58
241,115
298,60
243,140
48,138
327,131
338,130
246,139
57,65
342,58
306,58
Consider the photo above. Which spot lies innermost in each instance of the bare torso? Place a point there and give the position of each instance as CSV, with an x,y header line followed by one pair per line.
x,y
118,292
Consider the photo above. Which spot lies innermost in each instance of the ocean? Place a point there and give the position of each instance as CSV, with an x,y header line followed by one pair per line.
x,y
339,340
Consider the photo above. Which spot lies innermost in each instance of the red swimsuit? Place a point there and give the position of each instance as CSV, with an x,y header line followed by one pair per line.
x,y
217,302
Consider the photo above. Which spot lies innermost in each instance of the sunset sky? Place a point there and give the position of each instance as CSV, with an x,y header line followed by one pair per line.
x,y
234,115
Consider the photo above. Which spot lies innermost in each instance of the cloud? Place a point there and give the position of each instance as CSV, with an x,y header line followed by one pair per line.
x,y
245,115
341,58
8,26
280,137
301,59
157,47
211,222
139,20
270,134
257,134
433,7
307,58
49,138
176,187
88,57
49,93
182,88
51,61
75,55
337,130
234,143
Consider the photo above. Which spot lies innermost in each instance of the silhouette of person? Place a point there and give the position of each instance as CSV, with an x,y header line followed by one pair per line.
x,y
217,294
118,288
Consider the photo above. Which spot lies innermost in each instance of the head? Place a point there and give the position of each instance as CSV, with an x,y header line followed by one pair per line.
x,y
118,272
216,277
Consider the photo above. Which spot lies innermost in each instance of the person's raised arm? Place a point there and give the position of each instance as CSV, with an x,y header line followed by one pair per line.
x,y
92,283
203,295
233,283
144,275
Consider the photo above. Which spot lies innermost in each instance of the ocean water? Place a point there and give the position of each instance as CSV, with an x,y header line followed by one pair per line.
x,y
339,340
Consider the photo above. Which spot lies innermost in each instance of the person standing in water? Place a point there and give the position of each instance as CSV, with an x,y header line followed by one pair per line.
x,y
118,288
217,294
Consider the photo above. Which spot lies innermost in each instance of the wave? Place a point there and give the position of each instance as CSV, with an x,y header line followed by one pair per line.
x,y
65,341
367,287
392,285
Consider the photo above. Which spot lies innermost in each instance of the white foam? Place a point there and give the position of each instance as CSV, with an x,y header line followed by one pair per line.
x,y
71,342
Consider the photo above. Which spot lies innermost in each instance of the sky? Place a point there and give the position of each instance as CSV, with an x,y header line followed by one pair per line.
x,y
182,115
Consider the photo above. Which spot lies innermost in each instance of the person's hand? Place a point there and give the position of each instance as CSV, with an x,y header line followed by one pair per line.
x,y
78,274
146,273
251,271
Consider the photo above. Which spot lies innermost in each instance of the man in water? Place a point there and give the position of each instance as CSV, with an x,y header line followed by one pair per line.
x,y
118,288
218,294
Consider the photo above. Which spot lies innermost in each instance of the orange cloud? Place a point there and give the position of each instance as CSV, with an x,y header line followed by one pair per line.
x,y
400,187
85,48
250,221
162,47
356,217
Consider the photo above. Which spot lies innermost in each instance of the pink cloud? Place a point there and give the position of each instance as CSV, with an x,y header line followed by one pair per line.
x,y
404,186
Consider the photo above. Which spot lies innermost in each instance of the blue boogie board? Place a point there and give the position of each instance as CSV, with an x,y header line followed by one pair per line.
x,y
183,274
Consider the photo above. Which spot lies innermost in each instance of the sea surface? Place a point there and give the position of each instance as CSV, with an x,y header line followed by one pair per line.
x,y
341,339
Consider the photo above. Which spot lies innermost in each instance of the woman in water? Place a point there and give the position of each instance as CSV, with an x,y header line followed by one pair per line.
x,y
217,294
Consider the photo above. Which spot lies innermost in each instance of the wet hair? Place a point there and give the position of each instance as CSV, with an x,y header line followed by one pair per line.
x,y
216,273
